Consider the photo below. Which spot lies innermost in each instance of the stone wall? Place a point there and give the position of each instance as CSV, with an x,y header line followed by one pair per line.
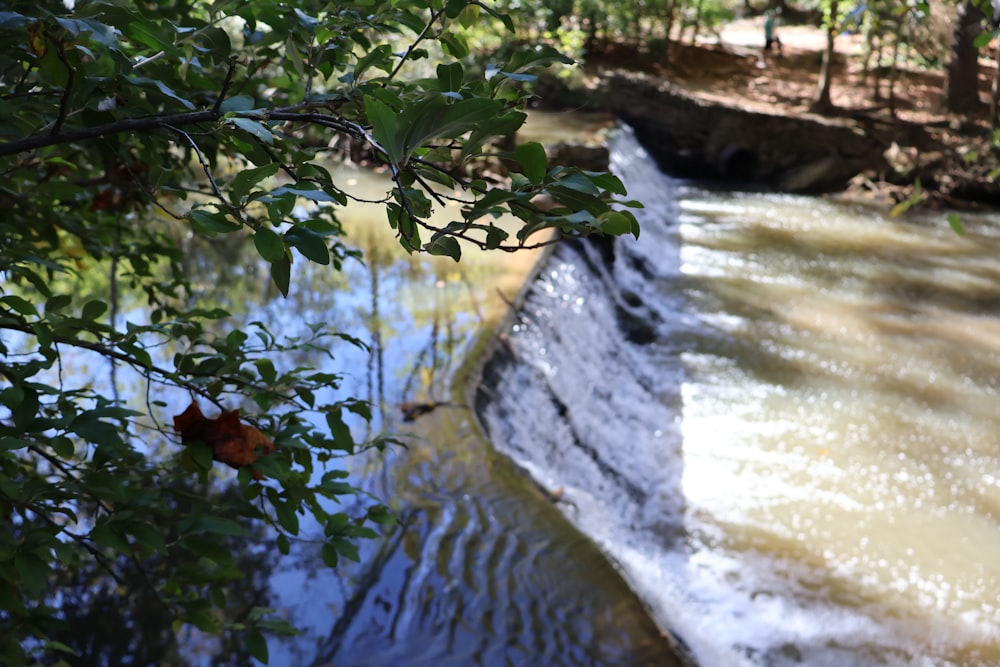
x,y
697,138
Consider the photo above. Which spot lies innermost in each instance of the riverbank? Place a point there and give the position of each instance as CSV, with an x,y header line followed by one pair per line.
x,y
719,111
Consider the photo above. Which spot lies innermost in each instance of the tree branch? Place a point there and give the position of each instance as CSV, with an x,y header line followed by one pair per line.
x,y
140,124
176,120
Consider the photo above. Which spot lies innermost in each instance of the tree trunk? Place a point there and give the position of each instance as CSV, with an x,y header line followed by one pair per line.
x,y
669,19
894,71
961,87
823,102
995,97
696,24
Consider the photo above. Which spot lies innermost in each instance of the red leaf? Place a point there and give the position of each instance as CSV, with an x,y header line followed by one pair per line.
x,y
233,443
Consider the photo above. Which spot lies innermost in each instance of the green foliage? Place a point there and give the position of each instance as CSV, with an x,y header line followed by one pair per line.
x,y
126,129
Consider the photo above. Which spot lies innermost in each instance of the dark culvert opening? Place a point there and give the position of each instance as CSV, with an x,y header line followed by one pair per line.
x,y
737,163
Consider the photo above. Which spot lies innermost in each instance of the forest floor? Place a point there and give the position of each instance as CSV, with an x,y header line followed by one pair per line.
x,y
729,68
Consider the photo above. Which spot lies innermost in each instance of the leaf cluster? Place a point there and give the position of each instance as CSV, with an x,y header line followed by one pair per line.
x,y
128,128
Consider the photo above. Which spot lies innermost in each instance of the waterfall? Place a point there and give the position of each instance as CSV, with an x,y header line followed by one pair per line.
x,y
586,392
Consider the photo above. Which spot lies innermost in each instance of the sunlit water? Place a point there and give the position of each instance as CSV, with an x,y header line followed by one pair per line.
x,y
484,569
780,416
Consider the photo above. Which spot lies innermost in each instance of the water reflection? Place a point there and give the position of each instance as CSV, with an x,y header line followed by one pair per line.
x,y
484,570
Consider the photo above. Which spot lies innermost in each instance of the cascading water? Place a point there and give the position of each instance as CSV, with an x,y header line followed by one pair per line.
x,y
777,415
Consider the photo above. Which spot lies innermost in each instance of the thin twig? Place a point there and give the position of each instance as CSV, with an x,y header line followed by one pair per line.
x,y
312,72
225,85
208,173
59,465
412,47
70,74
146,61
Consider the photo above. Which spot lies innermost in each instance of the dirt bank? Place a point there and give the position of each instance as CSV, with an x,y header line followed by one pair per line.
x,y
913,140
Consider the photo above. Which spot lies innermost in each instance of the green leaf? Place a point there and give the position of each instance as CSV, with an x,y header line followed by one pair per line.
x,y
450,77
216,525
330,555
429,120
384,128
204,621
495,237
200,454
144,32
19,304
310,192
379,57
446,246
237,103
347,550
287,517
469,16
94,309
216,41
955,221
266,369
91,428
246,179
211,223
606,181
63,447
209,548
163,88
106,536
455,45
339,431
281,274
58,302
532,157
530,58
53,645
147,535
269,244
26,410
33,573
309,243
283,545
257,645
253,127
12,20
9,444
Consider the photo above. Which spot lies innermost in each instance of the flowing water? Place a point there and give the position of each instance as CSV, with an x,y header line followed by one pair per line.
x,y
779,415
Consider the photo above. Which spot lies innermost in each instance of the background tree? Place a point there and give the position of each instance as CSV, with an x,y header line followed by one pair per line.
x,y
961,88
831,23
126,129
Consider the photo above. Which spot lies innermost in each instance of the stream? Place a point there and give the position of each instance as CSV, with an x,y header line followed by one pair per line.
x,y
778,416
762,434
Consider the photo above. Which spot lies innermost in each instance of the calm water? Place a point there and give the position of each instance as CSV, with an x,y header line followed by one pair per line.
x,y
779,414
